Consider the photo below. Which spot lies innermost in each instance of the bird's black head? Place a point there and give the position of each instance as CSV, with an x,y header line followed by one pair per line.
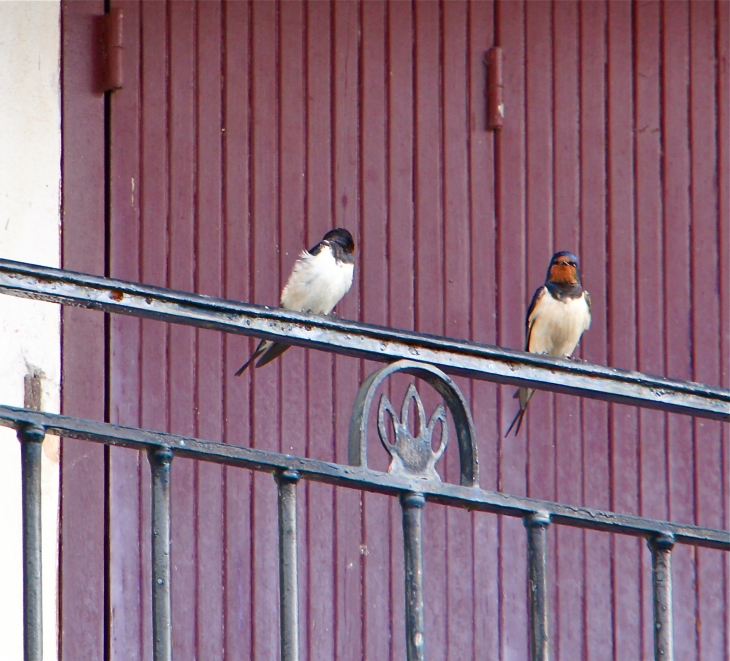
x,y
564,268
342,238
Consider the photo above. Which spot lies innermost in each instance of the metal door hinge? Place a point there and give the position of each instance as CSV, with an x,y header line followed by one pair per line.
x,y
113,50
495,88
33,389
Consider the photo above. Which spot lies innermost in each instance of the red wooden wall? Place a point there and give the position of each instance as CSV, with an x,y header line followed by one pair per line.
x,y
243,132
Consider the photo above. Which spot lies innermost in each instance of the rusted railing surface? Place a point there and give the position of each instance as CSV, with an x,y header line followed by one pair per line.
x,y
476,361
412,477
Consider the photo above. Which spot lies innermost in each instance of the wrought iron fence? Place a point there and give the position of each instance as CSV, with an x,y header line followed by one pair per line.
x,y
412,475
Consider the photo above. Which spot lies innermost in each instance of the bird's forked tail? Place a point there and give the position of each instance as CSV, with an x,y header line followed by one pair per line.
x,y
524,395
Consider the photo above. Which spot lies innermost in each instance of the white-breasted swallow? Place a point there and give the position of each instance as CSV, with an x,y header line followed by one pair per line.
x,y
559,313
320,278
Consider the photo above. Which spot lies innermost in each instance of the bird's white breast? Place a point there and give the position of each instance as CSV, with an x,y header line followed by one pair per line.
x,y
556,326
317,283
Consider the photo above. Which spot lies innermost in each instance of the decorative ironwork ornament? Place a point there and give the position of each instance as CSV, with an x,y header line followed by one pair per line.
x,y
413,456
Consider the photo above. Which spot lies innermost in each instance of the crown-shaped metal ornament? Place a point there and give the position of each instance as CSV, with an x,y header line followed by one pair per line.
x,y
412,455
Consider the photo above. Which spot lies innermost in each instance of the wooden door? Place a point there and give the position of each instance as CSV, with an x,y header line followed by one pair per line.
x,y
244,131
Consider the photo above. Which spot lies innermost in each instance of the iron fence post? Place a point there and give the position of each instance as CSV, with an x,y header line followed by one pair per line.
x,y
31,448
537,524
661,578
288,582
412,504
160,460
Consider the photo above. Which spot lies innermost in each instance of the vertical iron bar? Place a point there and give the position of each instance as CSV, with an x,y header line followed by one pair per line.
x,y
160,460
661,577
288,581
31,446
412,504
536,524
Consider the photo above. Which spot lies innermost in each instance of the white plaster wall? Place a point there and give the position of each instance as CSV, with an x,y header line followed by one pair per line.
x,y
30,178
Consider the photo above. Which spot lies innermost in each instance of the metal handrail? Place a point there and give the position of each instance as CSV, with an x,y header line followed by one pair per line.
x,y
458,357
358,477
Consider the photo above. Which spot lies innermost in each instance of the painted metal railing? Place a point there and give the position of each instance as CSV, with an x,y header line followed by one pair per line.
x,y
412,476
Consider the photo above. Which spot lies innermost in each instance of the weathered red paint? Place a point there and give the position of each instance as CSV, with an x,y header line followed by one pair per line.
x,y
243,132
593,192
82,527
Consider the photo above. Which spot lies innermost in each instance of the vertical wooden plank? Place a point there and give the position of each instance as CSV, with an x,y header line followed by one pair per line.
x,y
83,356
511,188
154,208
566,126
400,34
125,551
540,161
429,270
457,295
627,553
598,621
291,176
82,529
650,274
400,123
319,219
182,346
428,198
266,288
650,313
347,208
677,299
293,240
706,325
209,522
483,304
237,111
568,554
723,167
374,308
455,200
539,216
374,299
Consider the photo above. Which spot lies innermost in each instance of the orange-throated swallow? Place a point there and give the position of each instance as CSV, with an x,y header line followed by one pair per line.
x,y
320,278
559,313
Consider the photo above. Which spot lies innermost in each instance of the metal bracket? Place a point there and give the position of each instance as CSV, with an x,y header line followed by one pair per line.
x,y
113,50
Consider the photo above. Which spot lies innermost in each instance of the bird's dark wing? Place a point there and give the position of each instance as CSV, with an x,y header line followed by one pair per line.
x,y
541,291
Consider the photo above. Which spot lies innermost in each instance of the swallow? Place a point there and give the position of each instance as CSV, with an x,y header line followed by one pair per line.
x,y
559,313
320,278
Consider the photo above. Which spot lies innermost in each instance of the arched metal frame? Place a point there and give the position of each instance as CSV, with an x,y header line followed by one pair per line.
x,y
445,386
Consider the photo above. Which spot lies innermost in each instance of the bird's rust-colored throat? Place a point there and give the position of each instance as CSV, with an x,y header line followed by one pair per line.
x,y
562,272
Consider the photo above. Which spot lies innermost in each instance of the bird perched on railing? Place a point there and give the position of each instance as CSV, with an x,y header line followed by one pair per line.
x,y
559,313
320,278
